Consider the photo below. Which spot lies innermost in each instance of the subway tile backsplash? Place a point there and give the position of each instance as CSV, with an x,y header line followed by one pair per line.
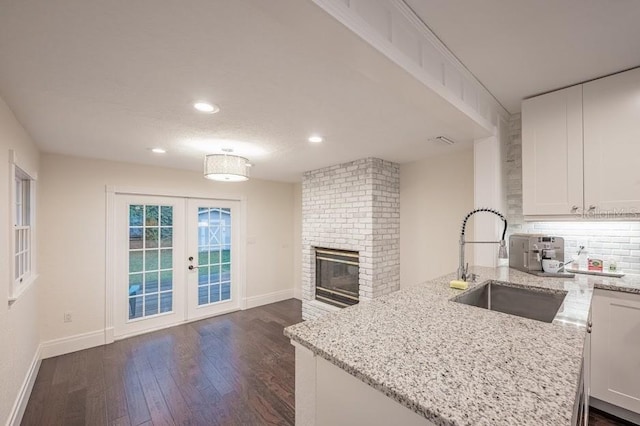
x,y
618,241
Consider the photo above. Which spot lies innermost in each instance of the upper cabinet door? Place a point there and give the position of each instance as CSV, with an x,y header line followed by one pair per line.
x,y
612,144
552,181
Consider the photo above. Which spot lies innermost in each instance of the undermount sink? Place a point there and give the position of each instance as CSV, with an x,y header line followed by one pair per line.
x,y
532,303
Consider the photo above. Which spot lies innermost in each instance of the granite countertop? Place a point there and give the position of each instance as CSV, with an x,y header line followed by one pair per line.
x,y
460,365
628,283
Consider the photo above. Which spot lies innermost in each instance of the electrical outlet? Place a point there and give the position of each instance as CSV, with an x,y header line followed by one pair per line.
x,y
68,317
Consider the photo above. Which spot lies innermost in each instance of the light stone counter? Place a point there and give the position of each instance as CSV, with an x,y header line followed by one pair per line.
x,y
461,365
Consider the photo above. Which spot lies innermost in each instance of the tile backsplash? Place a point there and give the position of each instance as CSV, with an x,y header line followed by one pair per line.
x,y
618,241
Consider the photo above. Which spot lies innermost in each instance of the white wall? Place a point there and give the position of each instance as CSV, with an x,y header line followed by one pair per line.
x,y
435,195
73,234
18,322
490,183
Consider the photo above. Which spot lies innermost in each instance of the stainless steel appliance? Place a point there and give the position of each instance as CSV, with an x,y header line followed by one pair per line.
x,y
526,252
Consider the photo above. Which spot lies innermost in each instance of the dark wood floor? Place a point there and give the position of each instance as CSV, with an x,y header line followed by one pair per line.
x,y
236,369
600,418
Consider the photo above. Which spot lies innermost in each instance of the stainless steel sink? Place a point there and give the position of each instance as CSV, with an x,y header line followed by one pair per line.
x,y
532,303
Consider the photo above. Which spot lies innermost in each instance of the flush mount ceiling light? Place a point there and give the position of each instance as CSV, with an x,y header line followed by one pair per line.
x,y
226,167
206,107
315,139
158,150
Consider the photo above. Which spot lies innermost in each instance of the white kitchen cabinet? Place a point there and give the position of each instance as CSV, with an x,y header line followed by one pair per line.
x,y
580,149
552,181
612,143
615,349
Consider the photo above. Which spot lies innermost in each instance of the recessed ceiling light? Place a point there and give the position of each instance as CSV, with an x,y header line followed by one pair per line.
x,y
206,107
315,139
159,150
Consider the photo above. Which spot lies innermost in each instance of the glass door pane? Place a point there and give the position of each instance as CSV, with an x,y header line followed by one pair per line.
x,y
150,260
214,255
150,277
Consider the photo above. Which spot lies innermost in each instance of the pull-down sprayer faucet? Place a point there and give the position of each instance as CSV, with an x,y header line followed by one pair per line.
x,y
502,252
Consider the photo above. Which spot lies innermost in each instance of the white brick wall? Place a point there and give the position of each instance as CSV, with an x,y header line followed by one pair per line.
x,y
353,206
619,241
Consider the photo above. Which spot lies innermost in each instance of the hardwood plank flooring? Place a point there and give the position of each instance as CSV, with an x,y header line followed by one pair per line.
x,y
235,369
600,418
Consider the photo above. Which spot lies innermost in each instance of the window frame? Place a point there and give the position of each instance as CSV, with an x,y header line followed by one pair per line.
x,y
22,203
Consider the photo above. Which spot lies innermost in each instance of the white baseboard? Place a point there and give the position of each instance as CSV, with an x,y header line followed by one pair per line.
x,y
619,412
70,344
265,299
20,405
109,335
297,293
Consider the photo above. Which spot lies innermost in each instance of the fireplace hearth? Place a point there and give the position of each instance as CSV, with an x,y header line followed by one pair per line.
x,y
337,277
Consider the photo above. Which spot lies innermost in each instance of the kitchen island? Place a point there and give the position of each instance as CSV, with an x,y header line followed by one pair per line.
x,y
447,363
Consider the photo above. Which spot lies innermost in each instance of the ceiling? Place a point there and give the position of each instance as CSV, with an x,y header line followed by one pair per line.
x,y
520,48
112,79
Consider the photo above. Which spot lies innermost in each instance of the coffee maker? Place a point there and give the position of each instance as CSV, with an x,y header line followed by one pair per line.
x,y
527,252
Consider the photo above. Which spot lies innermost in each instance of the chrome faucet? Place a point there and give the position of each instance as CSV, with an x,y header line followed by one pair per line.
x,y
463,269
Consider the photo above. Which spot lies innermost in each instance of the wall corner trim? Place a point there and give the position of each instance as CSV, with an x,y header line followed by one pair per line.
x,y
77,342
265,299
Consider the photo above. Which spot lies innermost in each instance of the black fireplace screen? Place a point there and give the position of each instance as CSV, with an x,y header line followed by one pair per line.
x,y
337,277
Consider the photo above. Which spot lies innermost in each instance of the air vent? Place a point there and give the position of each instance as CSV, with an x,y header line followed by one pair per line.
x,y
444,140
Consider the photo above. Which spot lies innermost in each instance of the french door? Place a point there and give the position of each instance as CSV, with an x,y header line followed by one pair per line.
x,y
212,265
176,261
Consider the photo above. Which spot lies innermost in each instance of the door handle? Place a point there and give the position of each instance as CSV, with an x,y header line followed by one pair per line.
x,y
192,267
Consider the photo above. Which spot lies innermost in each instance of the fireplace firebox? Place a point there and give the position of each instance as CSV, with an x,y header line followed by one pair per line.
x,y
337,277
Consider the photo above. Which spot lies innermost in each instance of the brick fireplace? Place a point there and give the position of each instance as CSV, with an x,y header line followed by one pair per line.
x,y
353,207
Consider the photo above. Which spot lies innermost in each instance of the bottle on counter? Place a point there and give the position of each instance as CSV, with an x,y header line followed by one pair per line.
x,y
583,258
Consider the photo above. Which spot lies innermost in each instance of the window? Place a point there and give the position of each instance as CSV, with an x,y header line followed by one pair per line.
x,y
23,230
